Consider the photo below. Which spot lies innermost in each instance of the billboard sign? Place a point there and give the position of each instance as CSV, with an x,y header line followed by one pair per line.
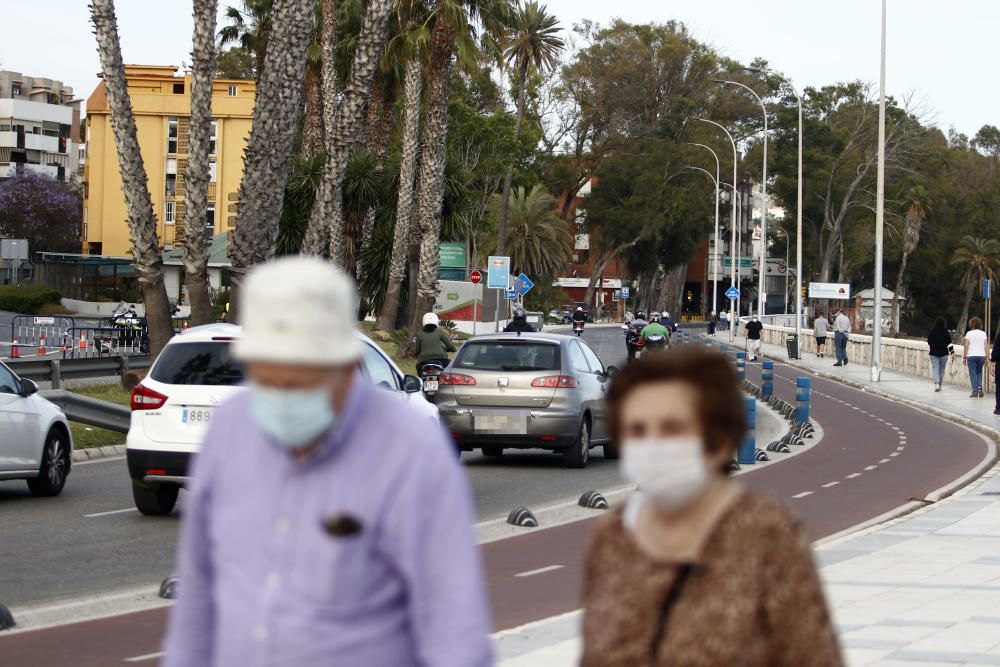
x,y
829,291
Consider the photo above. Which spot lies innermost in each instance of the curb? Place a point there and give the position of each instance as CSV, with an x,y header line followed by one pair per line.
x,y
94,453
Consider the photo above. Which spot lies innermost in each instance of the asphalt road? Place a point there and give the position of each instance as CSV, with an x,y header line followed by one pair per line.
x,y
875,456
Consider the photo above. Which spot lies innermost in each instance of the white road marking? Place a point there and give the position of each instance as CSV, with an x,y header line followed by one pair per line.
x,y
883,460
894,454
899,449
803,494
97,514
871,468
148,656
827,486
541,570
853,475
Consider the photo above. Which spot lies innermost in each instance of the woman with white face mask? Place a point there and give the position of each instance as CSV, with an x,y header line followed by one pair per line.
x,y
696,570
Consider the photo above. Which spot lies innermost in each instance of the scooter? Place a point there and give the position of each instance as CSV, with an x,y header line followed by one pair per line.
x,y
631,340
655,343
429,372
578,327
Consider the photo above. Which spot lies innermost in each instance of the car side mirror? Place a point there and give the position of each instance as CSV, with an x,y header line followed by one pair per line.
x,y
28,387
412,384
610,371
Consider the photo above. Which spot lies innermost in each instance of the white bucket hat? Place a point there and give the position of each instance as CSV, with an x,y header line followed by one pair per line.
x,y
298,310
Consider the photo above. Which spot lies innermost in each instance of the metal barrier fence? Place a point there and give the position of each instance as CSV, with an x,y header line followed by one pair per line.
x,y
91,411
57,370
37,336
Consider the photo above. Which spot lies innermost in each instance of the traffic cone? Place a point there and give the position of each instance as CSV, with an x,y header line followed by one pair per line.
x,y
83,340
41,346
184,327
14,354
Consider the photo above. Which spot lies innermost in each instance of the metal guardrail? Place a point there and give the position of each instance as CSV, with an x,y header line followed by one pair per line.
x,y
90,411
57,370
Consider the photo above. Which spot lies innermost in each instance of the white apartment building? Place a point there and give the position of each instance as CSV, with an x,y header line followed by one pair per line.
x,y
39,126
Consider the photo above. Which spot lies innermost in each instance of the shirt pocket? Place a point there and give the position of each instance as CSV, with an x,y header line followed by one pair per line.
x,y
331,569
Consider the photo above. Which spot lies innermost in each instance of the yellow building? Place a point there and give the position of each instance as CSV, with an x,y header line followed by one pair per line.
x,y
161,103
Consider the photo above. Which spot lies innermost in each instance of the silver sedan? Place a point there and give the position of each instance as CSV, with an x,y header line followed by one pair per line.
x,y
528,391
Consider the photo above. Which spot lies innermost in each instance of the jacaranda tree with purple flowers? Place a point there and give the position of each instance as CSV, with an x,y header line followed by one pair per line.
x,y
42,210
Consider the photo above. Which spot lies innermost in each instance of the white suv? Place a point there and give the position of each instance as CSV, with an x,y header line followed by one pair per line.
x,y
35,440
173,405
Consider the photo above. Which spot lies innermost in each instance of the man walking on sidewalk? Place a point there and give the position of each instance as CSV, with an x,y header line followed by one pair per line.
x,y
754,327
841,330
821,327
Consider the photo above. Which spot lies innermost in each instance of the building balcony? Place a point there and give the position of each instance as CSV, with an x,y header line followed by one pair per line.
x,y
48,170
41,142
7,170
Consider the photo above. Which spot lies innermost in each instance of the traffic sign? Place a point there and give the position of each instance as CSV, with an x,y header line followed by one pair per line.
x,y
510,294
498,272
625,293
732,294
476,277
616,295
522,284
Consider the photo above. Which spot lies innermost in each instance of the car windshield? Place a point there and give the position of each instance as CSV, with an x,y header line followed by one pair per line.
x,y
207,363
508,356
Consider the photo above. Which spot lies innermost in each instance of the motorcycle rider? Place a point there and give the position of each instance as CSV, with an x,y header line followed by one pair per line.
x,y
669,323
433,344
519,322
579,317
654,328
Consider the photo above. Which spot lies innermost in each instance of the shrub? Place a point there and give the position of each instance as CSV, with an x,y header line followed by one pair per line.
x,y
28,300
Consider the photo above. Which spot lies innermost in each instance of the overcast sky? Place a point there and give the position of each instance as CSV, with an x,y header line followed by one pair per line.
x,y
944,51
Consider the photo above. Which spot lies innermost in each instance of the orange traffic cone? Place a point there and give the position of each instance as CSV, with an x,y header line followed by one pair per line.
x,y
41,346
83,340
14,354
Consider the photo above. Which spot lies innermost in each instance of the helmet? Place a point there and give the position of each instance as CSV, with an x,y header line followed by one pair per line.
x,y
639,315
579,307
431,318
520,313
654,316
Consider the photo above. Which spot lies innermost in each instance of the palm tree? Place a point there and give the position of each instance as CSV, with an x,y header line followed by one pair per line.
x,y
540,242
270,147
328,210
135,185
533,43
918,204
250,29
455,30
196,174
978,258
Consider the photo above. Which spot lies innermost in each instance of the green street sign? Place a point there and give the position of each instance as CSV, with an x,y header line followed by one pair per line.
x,y
453,255
746,262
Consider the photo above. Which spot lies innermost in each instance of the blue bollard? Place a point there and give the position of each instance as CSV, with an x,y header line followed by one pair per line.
x,y
724,347
803,393
767,379
748,448
741,365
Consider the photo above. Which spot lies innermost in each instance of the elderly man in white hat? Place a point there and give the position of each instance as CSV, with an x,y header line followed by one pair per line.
x,y
326,523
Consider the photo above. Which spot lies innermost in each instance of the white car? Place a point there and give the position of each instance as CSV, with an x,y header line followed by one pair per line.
x,y
173,405
35,440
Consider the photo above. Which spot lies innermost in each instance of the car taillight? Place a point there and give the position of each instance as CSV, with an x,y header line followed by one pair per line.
x,y
554,382
456,379
144,398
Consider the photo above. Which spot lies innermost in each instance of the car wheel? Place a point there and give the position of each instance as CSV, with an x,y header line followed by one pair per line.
x,y
493,451
158,501
578,454
611,451
54,468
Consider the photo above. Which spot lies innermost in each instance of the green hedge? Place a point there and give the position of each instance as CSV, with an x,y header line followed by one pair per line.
x,y
27,299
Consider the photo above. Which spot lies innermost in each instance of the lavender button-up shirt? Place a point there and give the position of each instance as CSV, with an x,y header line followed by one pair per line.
x,y
265,580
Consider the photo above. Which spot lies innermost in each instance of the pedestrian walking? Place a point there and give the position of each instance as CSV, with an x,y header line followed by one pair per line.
x,y
327,521
841,332
939,344
713,322
821,327
725,320
975,355
695,569
754,327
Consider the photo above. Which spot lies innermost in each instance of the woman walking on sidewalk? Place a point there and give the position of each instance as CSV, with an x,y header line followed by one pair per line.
x,y
939,340
975,355
695,569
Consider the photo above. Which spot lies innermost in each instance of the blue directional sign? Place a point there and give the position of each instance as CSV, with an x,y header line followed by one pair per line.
x,y
523,284
987,288
625,293
732,294
510,294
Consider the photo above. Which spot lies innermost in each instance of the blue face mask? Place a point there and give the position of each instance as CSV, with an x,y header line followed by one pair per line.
x,y
292,418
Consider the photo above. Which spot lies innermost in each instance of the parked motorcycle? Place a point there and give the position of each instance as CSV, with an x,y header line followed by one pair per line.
x,y
132,330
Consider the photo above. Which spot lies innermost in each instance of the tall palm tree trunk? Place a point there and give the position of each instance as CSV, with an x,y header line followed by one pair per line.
x,y
197,173
328,210
141,220
312,117
508,180
431,174
969,290
379,129
267,161
899,287
412,83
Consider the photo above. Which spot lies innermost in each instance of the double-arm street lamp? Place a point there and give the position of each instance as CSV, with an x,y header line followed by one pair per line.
x,y
715,256
762,296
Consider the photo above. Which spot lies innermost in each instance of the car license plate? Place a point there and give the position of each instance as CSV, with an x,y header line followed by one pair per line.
x,y
196,415
513,424
430,385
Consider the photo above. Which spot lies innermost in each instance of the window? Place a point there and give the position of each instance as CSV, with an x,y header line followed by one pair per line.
x,y
168,213
377,368
198,363
581,256
211,138
211,171
509,356
178,89
595,361
172,135
576,358
232,90
210,219
8,382
15,90
85,224
171,188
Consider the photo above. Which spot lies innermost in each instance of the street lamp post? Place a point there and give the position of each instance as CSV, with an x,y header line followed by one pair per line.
x,y
876,370
787,243
715,256
762,292
732,243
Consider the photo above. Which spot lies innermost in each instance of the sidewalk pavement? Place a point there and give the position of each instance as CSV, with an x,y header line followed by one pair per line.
x,y
917,591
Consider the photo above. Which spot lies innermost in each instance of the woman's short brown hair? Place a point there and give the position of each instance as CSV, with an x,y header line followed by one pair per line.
x,y
720,400
975,323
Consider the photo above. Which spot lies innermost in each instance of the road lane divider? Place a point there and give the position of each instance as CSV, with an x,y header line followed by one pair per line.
x,y
541,570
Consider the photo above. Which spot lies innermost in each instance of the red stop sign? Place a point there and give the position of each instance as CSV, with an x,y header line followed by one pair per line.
x,y
476,277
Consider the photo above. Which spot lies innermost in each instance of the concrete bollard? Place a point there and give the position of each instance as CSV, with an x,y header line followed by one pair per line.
x,y
803,393
741,365
748,448
767,379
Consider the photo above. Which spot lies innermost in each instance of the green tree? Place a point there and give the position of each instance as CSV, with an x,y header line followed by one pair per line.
x,y
978,259
235,63
917,202
540,242
249,27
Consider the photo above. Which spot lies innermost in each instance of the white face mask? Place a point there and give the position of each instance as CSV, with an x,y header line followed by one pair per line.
x,y
669,471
